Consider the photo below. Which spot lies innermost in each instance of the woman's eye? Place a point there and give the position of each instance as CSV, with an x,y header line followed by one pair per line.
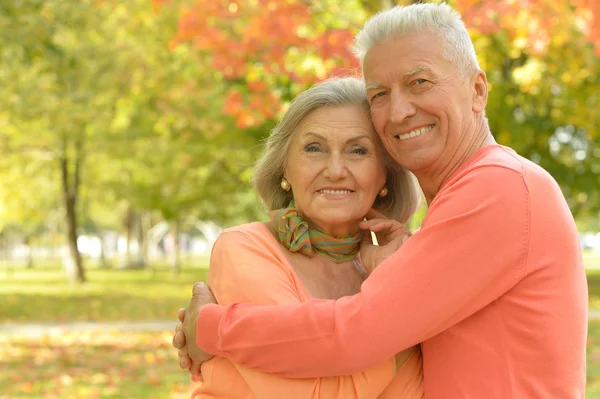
x,y
360,151
312,148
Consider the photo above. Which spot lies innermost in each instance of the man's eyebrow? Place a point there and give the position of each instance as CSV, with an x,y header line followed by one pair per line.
x,y
416,70
374,86
412,72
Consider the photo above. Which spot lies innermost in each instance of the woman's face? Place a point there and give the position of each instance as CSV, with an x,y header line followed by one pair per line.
x,y
335,167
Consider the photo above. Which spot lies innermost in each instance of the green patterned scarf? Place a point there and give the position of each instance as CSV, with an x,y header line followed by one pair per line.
x,y
294,233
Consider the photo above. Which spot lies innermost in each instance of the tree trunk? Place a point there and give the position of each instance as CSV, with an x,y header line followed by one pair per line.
x,y
140,260
175,258
70,186
104,263
129,218
29,259
4,248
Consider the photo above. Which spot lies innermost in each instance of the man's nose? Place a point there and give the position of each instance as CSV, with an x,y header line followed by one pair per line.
x,y
401,107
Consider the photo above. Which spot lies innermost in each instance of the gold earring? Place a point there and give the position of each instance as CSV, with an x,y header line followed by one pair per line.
x,y
383,192
285,185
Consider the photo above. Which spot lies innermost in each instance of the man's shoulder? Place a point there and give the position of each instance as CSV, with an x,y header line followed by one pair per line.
x,y
499,165
491,167
497,157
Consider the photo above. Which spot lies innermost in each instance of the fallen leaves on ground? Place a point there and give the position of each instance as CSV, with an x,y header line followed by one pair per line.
x,y
91,365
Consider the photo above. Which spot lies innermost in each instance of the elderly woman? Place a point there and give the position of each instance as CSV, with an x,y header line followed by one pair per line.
x,y
322,170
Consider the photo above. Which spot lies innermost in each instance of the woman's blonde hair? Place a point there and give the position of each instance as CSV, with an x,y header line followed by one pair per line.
x,y
402,198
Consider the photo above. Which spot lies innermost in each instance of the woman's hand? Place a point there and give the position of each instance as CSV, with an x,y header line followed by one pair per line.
x,y
390,235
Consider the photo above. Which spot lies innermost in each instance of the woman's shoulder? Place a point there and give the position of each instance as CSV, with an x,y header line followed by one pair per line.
x,y
254,232
253,239
247,265
252,228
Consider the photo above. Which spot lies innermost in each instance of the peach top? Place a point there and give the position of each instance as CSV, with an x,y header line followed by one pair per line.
x,y
247,264
493,285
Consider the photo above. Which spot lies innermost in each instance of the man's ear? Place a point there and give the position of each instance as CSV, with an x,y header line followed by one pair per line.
x,y
480,91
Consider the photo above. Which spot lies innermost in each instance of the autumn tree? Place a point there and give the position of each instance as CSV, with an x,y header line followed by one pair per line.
x,y
53,65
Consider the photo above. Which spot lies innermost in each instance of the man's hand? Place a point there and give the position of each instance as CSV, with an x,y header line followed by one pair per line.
x,y
190,356
390,235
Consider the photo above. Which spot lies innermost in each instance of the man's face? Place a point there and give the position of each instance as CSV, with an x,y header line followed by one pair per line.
x,y
420,104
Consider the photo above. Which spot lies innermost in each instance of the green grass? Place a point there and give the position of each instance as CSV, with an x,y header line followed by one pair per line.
x,y
593,360
44,295
591,260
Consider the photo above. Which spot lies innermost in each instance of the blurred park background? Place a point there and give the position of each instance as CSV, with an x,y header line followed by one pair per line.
x,y
128,130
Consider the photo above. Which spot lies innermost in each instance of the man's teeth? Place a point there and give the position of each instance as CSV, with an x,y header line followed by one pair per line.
x,y
335,191
415,133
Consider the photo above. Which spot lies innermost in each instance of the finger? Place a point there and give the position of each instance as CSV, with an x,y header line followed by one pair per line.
x,y
375,214
197,377
179,340
185,362
366,224
183,351
367,238
382,225
199,288
195,371
181,315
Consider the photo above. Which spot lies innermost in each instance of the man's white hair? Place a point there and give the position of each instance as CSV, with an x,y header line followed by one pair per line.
x,y
439,19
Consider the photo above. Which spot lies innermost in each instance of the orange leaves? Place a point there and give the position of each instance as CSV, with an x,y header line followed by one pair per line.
x,y
533,24
588,14
258,46
252,108
231,31
336,43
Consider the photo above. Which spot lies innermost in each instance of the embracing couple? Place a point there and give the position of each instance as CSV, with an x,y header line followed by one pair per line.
x,y
487,300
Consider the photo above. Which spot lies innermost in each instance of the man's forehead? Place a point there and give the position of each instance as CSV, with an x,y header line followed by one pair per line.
x,y
413,71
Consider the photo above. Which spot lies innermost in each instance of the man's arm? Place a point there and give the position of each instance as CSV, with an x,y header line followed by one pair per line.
x,y
471,250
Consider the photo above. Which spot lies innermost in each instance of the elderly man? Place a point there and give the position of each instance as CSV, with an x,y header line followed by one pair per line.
x,y
492,285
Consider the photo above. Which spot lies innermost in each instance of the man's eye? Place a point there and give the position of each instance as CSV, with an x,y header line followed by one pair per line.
x,y
380,94
420,81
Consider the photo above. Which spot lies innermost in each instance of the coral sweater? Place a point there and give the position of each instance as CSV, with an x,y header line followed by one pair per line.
x,y
493,285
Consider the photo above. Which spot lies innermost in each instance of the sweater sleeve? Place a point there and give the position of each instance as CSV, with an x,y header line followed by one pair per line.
x,y
242,269
471,249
